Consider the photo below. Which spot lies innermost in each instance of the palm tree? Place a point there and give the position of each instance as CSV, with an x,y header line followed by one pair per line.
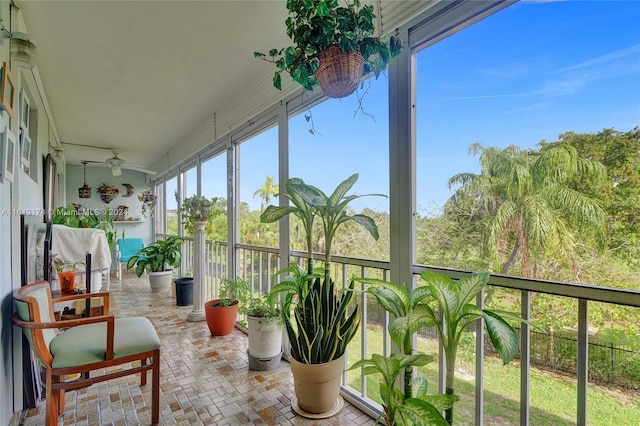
x,y
266,191
527,200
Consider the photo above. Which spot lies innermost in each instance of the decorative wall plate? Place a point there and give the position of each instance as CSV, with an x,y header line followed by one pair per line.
x,y
129,189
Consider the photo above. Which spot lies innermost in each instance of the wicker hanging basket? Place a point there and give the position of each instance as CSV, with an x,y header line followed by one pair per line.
x,y
339,72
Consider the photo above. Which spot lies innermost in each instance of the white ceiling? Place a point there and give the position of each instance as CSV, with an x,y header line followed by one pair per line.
x,y
140,76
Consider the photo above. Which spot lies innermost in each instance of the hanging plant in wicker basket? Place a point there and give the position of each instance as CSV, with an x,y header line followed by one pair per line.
x,y
339,72
334,46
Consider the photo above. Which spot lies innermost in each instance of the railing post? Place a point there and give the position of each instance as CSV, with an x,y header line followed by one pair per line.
x,y
613,364
525,358
480,362
583,361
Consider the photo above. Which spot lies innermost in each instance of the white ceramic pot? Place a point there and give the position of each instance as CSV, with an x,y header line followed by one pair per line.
x,y
265,337
160,281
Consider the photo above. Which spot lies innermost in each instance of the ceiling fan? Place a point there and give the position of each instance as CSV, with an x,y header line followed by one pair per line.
x,y
116,163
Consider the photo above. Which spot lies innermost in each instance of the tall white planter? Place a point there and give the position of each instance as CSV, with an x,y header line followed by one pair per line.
x,y
197,314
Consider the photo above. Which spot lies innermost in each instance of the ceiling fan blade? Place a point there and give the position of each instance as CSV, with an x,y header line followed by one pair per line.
x,y
138,168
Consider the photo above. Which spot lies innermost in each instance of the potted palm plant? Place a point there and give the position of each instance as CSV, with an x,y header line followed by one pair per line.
x,y
317,318
221,313
158,259
333,46
265,331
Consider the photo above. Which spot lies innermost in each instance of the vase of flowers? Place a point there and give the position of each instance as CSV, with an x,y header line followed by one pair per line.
x,y
148,200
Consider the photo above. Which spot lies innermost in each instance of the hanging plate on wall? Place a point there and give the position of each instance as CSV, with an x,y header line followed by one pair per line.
x,y
129,189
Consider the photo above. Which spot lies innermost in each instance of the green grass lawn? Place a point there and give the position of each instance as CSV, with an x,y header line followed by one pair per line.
x,y
553,397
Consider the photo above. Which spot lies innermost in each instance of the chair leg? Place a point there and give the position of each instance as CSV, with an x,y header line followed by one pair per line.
x,y
52,400
143,375
155,388
61,401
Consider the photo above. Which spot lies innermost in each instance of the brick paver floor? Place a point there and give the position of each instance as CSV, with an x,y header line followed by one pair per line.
x,y
204,380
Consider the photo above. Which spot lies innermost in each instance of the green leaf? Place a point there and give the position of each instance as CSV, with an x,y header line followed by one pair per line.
x,y
470,286
322,9
502,335
275,213
440,401
277,81
421,413
419,386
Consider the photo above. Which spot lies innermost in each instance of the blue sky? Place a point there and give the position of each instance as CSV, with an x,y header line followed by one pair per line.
x,y
530,72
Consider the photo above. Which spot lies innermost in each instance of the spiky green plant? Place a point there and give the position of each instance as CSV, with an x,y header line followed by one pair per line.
x,y
315,315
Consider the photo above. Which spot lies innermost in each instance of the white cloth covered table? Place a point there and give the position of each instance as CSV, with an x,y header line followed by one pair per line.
x,y
72,244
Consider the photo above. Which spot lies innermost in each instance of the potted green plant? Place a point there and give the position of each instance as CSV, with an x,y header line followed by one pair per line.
x,y
328,38
66,271
158,259
197,208
417,409
264,329
316,318
221,313
412,310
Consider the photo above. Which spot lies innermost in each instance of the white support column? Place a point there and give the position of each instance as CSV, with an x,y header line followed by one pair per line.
x,y
197,314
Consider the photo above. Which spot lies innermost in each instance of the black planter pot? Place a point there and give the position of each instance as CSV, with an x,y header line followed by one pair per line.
x,y
184,291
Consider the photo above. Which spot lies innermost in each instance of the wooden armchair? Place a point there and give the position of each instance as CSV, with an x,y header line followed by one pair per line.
x,y
85,345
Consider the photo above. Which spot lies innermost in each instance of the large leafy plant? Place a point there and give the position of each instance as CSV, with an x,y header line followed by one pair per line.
x,y
310,202
159,256
315,316
419,308
314,25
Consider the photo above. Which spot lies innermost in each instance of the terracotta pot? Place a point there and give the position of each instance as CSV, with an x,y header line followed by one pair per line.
x,y
67,281
220,319
317,386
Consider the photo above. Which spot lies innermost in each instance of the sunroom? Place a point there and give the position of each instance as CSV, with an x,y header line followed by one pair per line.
x,y
167,96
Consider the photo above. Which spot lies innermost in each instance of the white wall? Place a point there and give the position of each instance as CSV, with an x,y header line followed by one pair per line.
x,y
24,193
95,177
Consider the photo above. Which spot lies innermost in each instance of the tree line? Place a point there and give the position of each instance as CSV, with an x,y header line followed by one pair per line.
x,y
568,210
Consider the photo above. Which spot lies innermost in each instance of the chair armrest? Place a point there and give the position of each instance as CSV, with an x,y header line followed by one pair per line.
x,y
71,297
61,324
109,319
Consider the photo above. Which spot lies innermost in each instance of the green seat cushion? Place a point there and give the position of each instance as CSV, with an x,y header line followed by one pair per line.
x,y
86,344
